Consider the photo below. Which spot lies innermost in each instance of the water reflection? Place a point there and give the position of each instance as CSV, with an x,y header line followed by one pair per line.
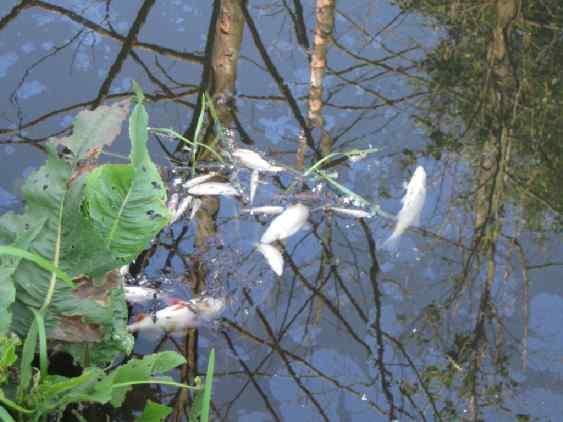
x,y
460,321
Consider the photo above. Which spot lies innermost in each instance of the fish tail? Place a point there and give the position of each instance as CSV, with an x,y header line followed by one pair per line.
x,y
392,242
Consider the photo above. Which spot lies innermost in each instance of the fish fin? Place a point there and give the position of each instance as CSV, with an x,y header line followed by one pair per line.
x,y
392,242
139,317
173,301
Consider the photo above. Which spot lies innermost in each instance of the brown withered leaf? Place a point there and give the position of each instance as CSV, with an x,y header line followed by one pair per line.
x,y
72,329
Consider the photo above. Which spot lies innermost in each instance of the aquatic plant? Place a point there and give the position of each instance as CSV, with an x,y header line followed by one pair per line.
x,y
52,394
86,220
82,221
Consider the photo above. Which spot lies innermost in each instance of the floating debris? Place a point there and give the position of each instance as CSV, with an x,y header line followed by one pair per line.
x,y
413,202
139,294
267,209
254,161
273,257
180,316
199,180
351,212
286,224
213,189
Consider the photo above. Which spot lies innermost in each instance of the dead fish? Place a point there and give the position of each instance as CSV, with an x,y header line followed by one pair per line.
x,y
208,307
195,208
351,212
254,179
273,257
413,202
180,316
182,208
199,180
124,271
213,189
139,294
286,224
267,209
173,202
254,161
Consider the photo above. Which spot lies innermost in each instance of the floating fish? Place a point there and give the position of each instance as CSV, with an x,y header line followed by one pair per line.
x,y
254,161
124,271
195,208
212,189
173,202
199,180
351,212
273,256
413,202
286,224
180,316
182,208
139,294
267,209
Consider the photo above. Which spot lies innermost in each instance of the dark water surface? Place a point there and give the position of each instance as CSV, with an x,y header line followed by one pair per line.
x,y
462,321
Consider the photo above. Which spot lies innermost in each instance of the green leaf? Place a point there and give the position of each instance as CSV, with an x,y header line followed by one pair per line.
x,y
154,412
48,234
127,206
80,222
26,368
20,233
139,135
43,359
5,416
127,202
8,356
138,371
6,402
165,361
94,129
57,392
39,260
206,400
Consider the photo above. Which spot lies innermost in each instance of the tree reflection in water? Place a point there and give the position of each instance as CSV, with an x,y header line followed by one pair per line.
x,y
459,322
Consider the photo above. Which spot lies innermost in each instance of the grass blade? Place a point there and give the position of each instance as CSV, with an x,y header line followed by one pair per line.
x,y
174,134
43,361
37,259
205,404
28,353
5,416
197,134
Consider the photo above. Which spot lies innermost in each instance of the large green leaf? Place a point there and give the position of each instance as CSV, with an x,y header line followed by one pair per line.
x,y
127,203
137,371
93,385
71,203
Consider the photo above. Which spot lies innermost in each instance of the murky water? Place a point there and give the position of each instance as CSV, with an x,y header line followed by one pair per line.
x,y
461,321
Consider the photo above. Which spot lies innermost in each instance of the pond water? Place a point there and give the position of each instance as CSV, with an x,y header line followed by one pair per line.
x,y
462,320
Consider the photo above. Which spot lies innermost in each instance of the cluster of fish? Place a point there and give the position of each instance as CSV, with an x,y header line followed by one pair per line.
x,y
291,219
178,316
289,222
204,186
